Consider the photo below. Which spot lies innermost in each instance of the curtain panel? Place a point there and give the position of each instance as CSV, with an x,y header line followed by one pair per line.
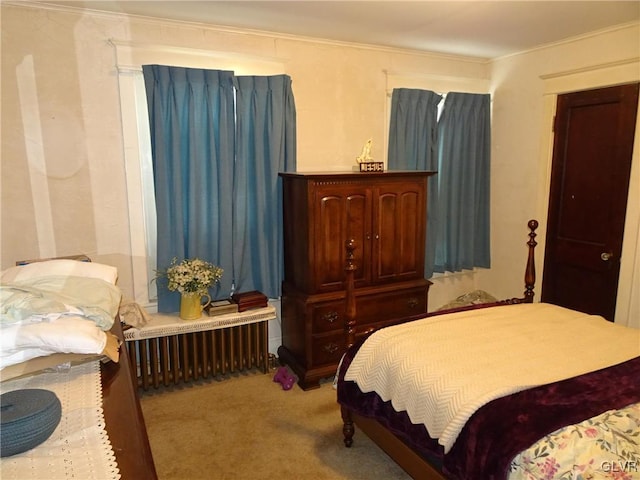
x,y
207,206
464,148
413,138
191,118
266,145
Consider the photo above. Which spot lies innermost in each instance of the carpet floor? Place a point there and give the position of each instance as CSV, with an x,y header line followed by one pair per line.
x,y
248,427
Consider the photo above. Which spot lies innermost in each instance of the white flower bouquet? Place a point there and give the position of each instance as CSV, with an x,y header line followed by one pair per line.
x,y
191,276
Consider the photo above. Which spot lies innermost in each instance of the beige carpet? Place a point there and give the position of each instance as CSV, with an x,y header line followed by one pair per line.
x,y
247,427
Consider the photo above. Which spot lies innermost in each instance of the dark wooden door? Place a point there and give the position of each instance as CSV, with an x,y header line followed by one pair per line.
x,y
594,133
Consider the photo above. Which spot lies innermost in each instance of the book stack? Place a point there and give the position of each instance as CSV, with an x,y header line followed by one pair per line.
x,y
249,300
221,307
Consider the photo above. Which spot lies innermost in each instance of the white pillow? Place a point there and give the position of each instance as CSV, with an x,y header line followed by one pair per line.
x,y
19,343
62,267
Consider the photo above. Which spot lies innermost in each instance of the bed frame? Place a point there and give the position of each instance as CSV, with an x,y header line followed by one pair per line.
x,y
412,462
123,417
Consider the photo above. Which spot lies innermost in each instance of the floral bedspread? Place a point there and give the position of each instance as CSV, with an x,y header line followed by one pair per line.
x,y
609,449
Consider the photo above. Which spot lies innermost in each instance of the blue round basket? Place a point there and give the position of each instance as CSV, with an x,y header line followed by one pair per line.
x,y
28,418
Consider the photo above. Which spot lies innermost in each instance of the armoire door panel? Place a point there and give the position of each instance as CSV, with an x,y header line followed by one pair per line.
x,y
411,233
358,227
344,212
399,242
385,238
329,232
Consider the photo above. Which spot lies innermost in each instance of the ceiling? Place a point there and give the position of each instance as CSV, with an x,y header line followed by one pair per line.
x,y
478,28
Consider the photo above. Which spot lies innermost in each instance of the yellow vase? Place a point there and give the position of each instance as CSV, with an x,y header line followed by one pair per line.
x,y
191,305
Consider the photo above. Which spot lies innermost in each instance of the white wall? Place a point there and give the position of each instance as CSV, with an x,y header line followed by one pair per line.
x,y
63,171
525,90
65,131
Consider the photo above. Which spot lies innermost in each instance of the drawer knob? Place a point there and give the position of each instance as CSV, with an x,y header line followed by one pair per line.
x,y
413,302
330,347
330,317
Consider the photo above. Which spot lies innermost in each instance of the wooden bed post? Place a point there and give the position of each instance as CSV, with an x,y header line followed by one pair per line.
x,y
350,310
530,271
348,428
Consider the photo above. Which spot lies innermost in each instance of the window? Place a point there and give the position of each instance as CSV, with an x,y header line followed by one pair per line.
x,y
130,57
450,135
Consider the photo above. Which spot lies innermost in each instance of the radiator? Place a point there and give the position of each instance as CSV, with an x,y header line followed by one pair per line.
x,y
185,357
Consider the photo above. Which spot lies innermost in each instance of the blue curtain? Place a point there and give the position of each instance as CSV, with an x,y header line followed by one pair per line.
x,y
464,147
191,116
266,145
413,146
218,143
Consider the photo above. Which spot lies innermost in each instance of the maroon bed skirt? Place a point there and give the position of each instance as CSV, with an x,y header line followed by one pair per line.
x,y
501,429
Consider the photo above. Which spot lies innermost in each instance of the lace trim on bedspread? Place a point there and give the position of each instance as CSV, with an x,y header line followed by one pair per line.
x,y
79,447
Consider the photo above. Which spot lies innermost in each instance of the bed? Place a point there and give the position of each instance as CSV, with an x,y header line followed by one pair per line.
x,y
61,329
512,403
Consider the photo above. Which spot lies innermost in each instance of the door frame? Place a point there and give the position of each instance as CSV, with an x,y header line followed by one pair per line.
x,y
597,76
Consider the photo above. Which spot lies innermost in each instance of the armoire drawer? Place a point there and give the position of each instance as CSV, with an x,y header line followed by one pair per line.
x,y
327,348
328,316
394,305
371,308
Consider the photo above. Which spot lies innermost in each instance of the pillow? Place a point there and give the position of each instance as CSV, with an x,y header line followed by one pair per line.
x,y
62,267
19,343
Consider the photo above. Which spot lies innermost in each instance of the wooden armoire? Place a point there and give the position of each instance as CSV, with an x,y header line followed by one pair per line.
x,y
385,214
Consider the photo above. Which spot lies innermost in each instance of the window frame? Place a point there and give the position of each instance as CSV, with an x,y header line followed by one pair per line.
x,y
441,84
130,56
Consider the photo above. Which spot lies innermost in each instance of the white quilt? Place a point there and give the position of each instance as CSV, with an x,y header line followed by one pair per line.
x,y
48,298
441,369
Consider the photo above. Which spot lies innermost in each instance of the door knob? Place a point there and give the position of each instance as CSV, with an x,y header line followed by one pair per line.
x,y
606,256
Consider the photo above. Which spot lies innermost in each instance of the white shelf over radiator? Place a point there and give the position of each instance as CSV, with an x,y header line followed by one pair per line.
x,y
165,325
